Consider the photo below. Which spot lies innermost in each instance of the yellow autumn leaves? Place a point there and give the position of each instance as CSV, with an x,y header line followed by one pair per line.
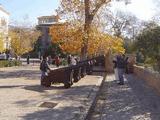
x,y
17,45
70,40
22,40
1,43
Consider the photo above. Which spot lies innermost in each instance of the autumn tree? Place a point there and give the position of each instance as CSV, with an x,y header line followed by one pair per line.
x,y
70,40
1,43
23,40
80,16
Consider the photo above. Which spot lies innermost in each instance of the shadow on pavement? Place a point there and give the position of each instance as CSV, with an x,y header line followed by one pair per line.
x,y
132,101
64,113
13,86
78,96
28,74
39,88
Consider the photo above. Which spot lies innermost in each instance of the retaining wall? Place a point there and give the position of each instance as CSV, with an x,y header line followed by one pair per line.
x,y
152,78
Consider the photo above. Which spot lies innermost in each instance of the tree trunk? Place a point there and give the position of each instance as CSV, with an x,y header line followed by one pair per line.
x,y
108,62
87,25
89,15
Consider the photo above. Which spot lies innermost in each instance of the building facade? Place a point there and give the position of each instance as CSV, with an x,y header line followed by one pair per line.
x,y
44,23
4,22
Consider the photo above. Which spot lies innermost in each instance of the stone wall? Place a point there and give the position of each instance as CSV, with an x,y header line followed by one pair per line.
x,y
152,79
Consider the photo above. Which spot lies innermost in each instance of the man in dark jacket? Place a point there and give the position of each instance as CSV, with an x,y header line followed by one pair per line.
x,y
28,57
121,63
44,67
69,60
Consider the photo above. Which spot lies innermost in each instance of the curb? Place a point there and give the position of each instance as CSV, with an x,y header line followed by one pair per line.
x,y
95,99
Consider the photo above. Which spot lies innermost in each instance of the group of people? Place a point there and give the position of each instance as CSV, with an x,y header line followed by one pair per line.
x,y
44,66
120,65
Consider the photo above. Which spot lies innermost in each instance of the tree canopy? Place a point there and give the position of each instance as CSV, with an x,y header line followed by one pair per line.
x,y
148,43
1,43
81,33
70,40
22,40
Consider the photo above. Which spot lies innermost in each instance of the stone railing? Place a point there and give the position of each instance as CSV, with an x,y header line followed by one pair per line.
x,y
152,78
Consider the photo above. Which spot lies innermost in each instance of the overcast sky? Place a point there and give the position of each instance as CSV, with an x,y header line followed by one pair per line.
x,y
31,9
143,9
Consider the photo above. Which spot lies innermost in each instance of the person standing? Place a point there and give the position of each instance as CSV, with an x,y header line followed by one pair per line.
x,y
44,67
49,60
115,68
69,60
28,57
121,68
73,61
57,61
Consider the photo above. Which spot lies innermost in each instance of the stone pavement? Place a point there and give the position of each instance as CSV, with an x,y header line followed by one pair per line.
x,y
22,96
132,101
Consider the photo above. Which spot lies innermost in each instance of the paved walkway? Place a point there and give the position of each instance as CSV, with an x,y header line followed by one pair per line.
x,y
132,101
22,97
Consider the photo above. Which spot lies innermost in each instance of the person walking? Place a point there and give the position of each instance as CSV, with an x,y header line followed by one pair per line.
x,y
44,67
121,68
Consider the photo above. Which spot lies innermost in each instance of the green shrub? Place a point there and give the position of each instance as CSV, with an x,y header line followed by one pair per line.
x,y
64,62
7,63
150,61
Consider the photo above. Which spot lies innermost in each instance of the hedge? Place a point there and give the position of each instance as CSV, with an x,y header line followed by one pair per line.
x,y
9,63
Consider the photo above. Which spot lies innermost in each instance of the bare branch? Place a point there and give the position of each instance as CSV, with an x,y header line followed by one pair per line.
x,y
98,6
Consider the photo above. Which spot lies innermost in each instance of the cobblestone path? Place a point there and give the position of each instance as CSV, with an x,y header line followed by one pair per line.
x,y
132,101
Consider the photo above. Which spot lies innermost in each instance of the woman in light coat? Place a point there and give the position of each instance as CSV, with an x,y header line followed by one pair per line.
x,y
115,68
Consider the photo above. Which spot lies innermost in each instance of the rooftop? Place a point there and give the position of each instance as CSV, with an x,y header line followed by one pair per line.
x,y
2,9
46,17
49,20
